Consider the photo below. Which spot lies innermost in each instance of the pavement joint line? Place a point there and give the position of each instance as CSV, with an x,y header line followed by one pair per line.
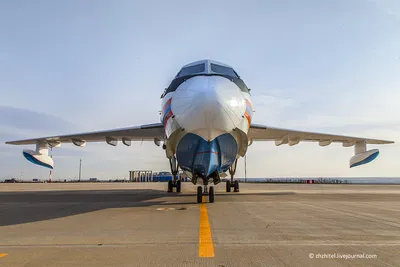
x,y
271,243
206,247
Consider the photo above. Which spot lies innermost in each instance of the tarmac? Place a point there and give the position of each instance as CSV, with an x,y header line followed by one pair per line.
x,y
140,224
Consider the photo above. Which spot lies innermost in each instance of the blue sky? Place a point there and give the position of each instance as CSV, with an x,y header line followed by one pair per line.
x,y
72,66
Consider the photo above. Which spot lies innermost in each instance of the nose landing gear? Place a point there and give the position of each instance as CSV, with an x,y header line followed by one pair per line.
x,y
201,193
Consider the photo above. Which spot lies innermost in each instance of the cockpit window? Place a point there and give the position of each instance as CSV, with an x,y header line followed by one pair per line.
x,y
200,70
223,70
192,70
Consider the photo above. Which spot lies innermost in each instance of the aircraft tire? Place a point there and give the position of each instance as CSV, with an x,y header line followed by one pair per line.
x,y
199,194
211,194
170,186
178,186
228,186
236,186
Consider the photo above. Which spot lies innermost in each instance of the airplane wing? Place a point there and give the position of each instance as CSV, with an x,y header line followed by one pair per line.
x,y
259,132
41,157
143,132
293,137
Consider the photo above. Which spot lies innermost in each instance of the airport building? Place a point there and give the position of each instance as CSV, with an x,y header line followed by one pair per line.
x,y
141,176
150,176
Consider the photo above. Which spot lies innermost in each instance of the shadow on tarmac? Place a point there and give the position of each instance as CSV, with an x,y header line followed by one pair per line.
x,y
25,207
32,206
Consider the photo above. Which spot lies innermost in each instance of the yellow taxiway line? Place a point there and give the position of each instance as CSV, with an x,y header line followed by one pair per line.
x,y
206,247
3,255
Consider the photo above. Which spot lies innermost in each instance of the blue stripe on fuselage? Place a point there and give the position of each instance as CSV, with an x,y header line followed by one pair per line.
x,y
168,109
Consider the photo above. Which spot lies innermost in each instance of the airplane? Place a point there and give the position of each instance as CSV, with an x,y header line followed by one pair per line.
x,y
206,126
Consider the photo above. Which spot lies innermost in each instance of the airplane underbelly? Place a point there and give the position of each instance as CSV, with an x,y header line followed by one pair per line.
x,y
202,158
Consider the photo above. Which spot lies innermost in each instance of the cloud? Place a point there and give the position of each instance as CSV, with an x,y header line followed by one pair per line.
x,y
391,8
22,121
272,107
100,160
351,110
19,123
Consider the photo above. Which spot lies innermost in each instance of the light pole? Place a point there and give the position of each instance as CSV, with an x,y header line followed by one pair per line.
x,y
51,156
80,169
245,169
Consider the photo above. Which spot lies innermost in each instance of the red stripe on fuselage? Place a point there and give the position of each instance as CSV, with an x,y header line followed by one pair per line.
x,y
247,115
205,152
166,105
169,115
249,104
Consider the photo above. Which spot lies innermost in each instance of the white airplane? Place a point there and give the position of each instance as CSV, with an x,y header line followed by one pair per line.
x,y
205,127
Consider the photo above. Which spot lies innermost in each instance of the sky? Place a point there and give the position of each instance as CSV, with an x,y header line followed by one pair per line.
x,y
76,66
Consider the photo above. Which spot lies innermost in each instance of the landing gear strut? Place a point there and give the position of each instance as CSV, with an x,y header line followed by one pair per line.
x,y
231,183
174,170
205,192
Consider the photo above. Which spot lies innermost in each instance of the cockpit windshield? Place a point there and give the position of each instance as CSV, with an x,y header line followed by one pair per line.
x,y
222,70
205,68
191,70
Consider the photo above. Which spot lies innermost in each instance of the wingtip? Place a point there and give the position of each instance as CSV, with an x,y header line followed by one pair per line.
x,y
11,143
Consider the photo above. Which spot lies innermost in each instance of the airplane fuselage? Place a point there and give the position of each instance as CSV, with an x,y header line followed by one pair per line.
x,y
206,113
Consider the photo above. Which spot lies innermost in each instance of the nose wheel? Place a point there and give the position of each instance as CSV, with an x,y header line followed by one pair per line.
x,y
201,193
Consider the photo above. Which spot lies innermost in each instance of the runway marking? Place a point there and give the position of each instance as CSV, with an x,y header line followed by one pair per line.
x,y
3,255
206,247
169,209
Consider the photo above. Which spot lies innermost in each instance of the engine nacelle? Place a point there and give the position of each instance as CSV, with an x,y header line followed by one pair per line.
x,y
361,155
40,156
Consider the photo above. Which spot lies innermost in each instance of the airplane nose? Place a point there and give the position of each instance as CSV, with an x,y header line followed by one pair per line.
x,y
208,106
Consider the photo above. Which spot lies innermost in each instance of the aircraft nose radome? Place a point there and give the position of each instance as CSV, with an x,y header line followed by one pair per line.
x,y
208,106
